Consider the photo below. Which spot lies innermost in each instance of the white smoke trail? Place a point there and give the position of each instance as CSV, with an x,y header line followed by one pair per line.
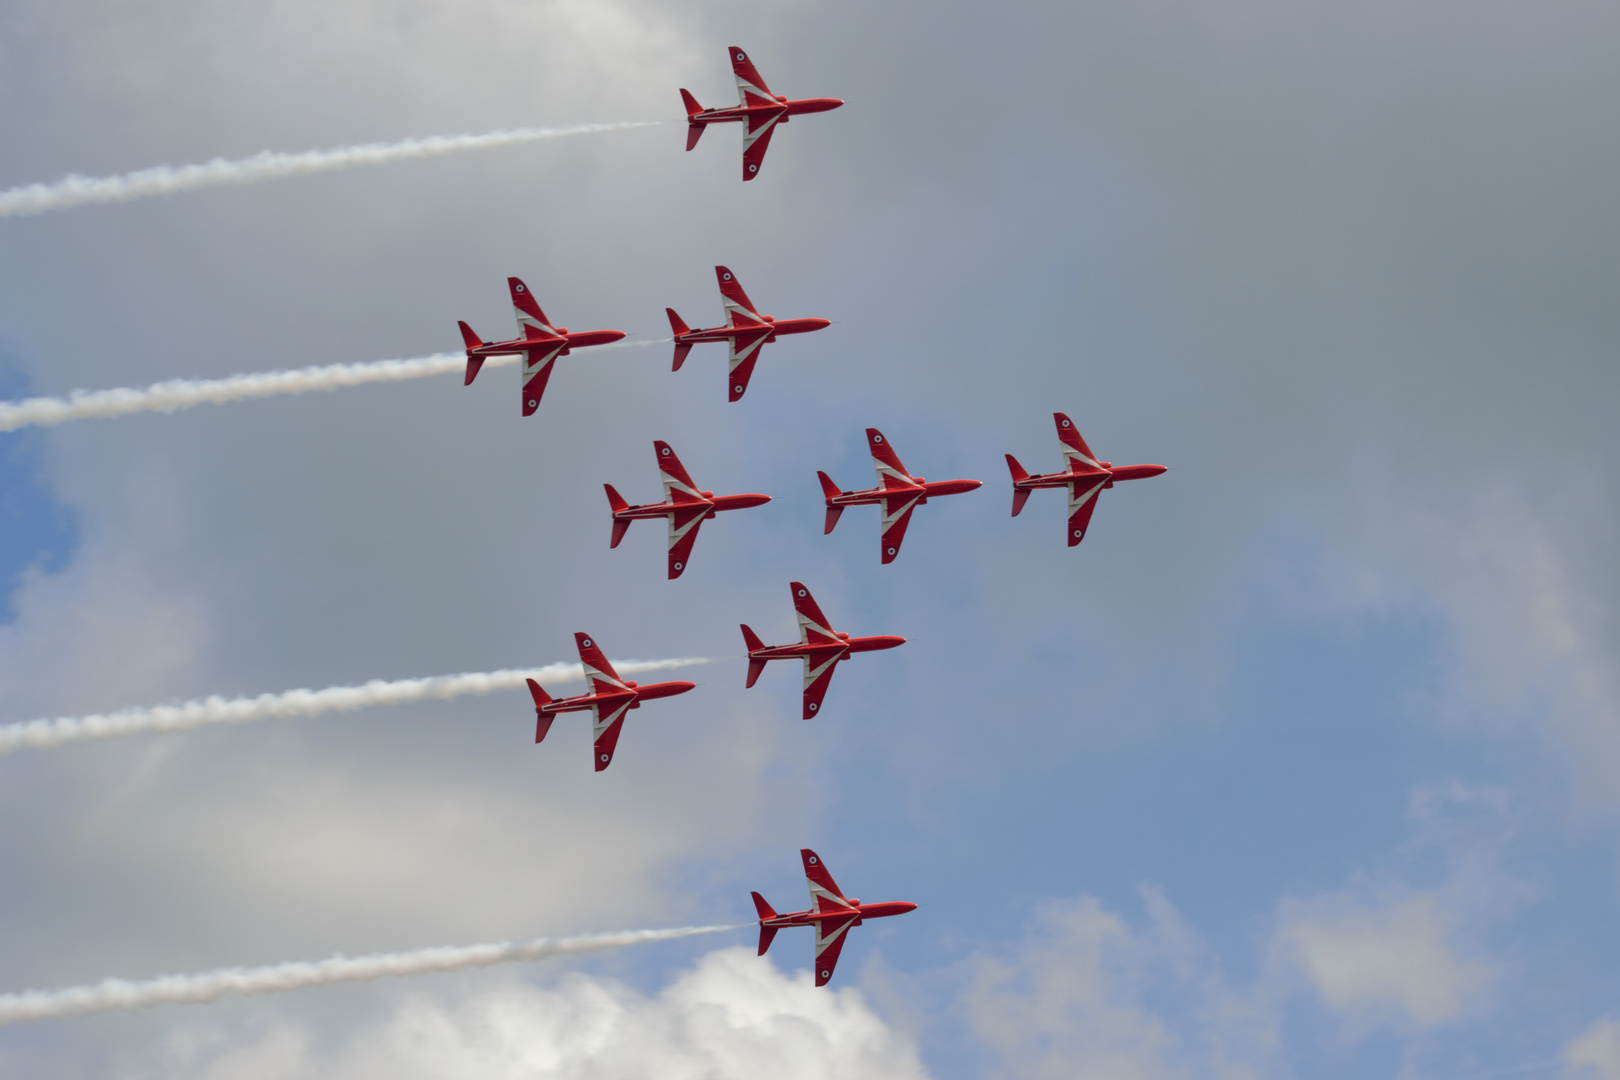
x,y
123,994
43,734
178,394
77,190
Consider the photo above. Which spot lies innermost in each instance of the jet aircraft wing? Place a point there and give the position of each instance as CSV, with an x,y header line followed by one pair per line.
x,y
607,720
751,88
896,516
537,365
744,352
599,674
756,140
813,626
683,530
1082,502
818,673
890,472
672,473
827,900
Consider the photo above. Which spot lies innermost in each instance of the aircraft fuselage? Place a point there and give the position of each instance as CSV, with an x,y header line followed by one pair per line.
x,y
824,651
772,329
581,702
518,346
782,108
863,912
1110,474
928,488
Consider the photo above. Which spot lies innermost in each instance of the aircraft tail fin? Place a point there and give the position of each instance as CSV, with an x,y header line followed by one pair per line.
x,y
620,525
764,908
1020,497
753,644
1016,469
691,103
472,341
694,129
676,323
767,934
833,514
542,721
828,488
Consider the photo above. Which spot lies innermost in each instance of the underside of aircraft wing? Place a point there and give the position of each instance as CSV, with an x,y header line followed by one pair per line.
x,y
818,673
599,674
814,629
683,530
896,516
607,722
756,140
830,934
671,472
745,350
1082,501
537,365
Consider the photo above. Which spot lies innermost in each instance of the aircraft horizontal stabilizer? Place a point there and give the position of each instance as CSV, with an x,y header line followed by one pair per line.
x,y
615,500
1019,499
767,934
691,103
833,514
828,488
760,905
751,639
1016,469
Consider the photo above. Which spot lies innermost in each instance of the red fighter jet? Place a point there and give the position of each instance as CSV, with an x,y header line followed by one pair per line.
x,y
539,346
1085,478
898,493
759,112
748,332
829,913
684,505
609,699
820,646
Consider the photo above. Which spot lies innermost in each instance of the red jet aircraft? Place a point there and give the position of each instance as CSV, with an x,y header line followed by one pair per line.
x,y
684,505
609,699
1085,477
898,493
760,111
820,646
748,332
829,913
539,346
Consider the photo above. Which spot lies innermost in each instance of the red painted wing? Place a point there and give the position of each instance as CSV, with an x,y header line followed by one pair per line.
x,y
599,674
890,472
537,365
671,472
748,79
744,352
1082,502
683,530
830,935
895,532
825,895
814,629
607,736
818,673
756,142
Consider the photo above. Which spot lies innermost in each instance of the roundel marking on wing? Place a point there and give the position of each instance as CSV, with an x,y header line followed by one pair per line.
x,y
812,860
678,566
753,168
741,57
1077,532
893,550
727,277
665,451
877,438
813,706
586,643
739,389
518,287
802,592
533,404
604,757
826,974
1066,423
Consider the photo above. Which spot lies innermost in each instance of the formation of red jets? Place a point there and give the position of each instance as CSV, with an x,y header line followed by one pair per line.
x,y
685,506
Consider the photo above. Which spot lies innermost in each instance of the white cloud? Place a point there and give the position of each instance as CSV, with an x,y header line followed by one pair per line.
x,y
1074,1002
1392,957
734,1015
1595,1053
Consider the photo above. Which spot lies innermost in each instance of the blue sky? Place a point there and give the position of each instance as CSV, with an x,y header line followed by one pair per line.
x,y
1301,765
